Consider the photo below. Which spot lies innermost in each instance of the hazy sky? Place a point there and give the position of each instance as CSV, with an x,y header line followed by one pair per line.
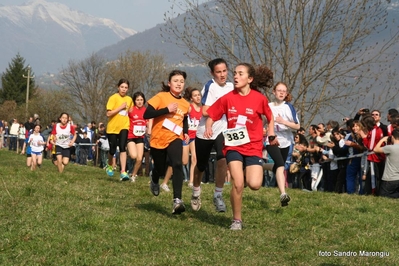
x,y
135,14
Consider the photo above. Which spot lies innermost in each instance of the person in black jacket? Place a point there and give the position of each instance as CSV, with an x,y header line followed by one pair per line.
x,y
340,150
84,149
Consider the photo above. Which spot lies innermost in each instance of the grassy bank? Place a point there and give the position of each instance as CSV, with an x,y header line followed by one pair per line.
x,y
83,217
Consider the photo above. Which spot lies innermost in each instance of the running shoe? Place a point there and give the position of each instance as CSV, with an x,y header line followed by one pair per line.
x,y
154,187
219,203
190,185
236,225
178,206
165,187
195,203
124,176
109,170
133,178
284,199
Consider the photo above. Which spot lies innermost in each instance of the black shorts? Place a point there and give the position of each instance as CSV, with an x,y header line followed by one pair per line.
x,y
65,152
118,140
203,149
136,140
279,155
246,160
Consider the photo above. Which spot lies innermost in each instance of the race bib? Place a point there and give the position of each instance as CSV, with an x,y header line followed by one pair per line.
x,y
241,120
236,136
123,112
193,125
139,130
63,139
172,126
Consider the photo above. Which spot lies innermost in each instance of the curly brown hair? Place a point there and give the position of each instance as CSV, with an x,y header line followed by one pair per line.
x,y
263,78
261,74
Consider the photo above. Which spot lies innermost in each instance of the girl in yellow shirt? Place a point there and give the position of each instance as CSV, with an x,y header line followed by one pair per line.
x,y
118,106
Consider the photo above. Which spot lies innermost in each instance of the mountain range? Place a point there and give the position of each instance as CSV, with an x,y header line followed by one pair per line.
x,y
49,34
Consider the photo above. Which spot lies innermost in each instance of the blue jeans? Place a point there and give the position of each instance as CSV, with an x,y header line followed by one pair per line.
x,y
353,176
13,143
104,158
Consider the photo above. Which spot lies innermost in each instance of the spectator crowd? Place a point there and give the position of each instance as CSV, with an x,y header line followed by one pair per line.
x,y
191,135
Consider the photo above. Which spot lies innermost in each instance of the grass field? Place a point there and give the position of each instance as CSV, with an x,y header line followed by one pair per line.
x,y
83,217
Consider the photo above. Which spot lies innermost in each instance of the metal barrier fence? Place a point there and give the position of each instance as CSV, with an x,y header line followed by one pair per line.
x,y
94,144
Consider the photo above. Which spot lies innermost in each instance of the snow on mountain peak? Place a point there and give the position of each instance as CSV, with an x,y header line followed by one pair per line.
x,y
69,19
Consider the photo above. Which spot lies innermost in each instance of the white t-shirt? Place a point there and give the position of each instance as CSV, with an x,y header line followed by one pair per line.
x,y
288,113
210,94
14,129
391,170
21,133
36,142
63,136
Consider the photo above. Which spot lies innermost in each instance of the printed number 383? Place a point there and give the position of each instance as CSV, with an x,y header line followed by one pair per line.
x,y
235,136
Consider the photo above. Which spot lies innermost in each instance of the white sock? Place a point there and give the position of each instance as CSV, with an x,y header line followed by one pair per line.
x,y
196,191
218,191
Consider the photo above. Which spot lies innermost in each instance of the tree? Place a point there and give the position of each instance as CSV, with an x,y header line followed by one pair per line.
x,y
14,84
90,82
49,104
8,111
331,53
89,85
145,71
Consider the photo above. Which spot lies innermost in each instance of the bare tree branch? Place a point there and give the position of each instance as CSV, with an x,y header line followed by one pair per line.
x,y
333,54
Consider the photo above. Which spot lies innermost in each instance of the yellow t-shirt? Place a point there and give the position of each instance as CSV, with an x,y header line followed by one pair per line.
x,y
161,136
120,120
53,149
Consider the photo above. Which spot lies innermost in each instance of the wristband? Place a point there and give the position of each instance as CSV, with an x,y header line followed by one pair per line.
x,y
271,138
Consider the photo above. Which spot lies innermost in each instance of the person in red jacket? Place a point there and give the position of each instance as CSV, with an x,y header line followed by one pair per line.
x,y
371,135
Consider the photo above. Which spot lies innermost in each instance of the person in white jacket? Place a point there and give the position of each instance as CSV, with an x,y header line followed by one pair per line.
x,y
37,143
14,135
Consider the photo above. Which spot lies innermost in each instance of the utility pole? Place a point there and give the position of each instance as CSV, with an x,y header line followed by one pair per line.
x,y
27,91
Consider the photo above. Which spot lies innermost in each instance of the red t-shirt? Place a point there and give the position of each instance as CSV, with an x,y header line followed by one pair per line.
x,y
194,118
63,133
371,140
54,131
137,122
252,106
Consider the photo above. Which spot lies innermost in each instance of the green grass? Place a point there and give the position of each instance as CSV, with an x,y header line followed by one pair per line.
x,y
83,217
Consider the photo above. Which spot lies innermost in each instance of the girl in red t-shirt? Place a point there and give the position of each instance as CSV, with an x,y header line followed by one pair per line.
x,y
243,139
137,129
63,137
194,115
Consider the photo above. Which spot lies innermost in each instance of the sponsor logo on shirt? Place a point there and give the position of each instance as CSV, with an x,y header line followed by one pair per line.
x,y
232,110
249,111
